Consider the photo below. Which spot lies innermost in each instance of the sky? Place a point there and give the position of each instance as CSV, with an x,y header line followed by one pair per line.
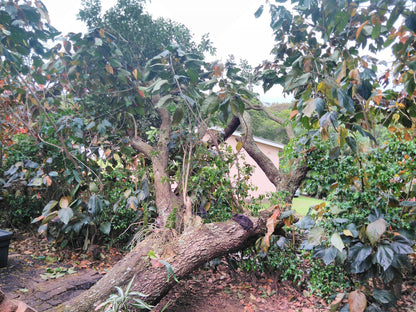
x,y
231,24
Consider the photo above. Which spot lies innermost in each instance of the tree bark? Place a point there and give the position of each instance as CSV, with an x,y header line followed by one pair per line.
x,y
289,182
166,201
185,253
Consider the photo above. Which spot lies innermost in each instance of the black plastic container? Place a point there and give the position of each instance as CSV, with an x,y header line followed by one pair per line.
x,y
4,246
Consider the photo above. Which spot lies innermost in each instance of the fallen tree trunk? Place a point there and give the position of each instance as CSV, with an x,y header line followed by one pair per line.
x,y
185,253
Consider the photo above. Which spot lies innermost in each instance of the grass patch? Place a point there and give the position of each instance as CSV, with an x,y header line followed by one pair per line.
x,y
302,204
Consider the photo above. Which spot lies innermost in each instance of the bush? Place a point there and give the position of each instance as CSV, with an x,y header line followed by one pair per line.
x,y
370,227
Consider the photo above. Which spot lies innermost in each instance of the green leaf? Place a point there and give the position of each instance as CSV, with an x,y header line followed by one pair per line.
x,y
384,297
364,89
259,11
306,223
35,182
177,116
359,255
376,31
375,230
316,235
401,245
152,254
158,85
329,255
384,256
95,205
337,242
302,80
93,187
163,100
319,106
193,75
210,104
345,100
105,227
410,22
65,214
352,143
170,270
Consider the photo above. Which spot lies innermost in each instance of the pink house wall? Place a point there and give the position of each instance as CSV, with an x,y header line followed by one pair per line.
x,y
258,178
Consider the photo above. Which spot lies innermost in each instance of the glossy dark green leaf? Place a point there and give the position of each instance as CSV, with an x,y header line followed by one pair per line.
x,y
359,256
306,223
320,106
364,133
330,255
384,297
95,205
281,17
352,143
345,100
364,89
298,82
384,256
410,22
401,245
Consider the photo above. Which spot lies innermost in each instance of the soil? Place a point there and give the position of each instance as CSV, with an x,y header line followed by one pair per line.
x,y
212,288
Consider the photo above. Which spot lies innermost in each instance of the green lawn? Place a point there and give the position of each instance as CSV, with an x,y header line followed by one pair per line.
x,y
302,204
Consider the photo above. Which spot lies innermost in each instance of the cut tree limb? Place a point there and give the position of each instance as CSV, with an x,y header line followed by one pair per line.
x,y
185,253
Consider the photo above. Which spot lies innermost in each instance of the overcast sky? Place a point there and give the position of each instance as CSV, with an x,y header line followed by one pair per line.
x,y
230,23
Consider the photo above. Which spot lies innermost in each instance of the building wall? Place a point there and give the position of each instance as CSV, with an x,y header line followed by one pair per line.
x,y
258,177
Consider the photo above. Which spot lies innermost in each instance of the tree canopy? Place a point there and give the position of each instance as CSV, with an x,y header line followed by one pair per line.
x,y
115,119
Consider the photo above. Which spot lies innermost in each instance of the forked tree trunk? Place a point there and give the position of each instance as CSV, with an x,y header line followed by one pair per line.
x,y
189,250
185,253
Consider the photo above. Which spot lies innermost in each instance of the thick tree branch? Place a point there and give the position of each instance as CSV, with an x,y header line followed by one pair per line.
x,y
231,128
184,253
166,201
264,162
284,182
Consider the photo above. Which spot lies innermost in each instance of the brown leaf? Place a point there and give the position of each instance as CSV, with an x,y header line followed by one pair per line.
x,y
47,180
134,73
307,65
342,73
357,301
293,113
270,225
360,29
109,69
64,202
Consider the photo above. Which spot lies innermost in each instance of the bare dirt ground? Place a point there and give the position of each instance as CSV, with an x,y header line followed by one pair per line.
x,y
218,289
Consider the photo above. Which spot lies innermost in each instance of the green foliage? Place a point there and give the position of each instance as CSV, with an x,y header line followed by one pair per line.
x,y
57,273
281,257
266,128
124,300
328,55
369,228
213,187
326,280
137,34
